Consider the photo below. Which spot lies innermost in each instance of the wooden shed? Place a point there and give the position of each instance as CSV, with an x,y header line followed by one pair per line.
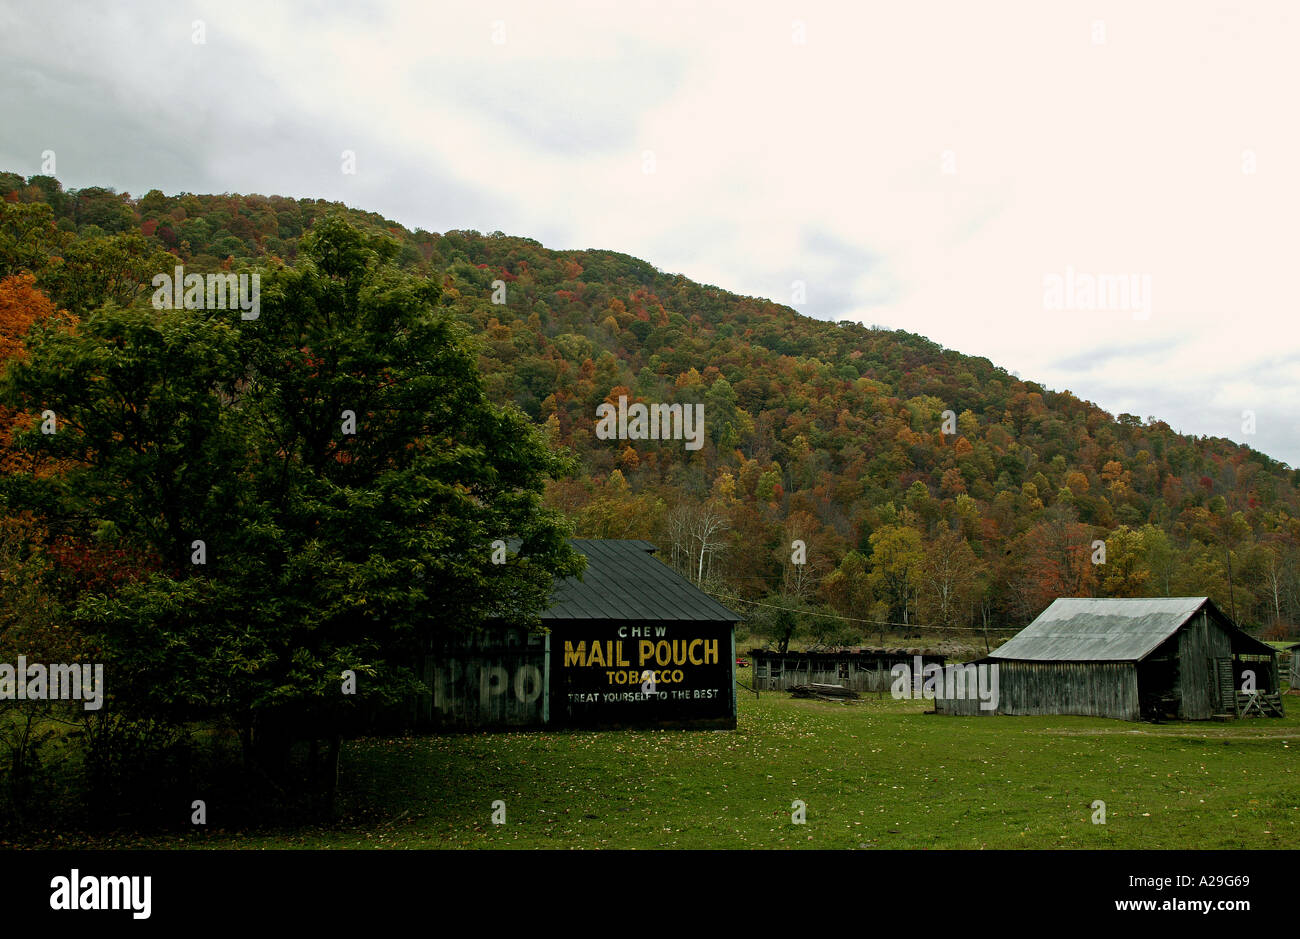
x,y
629,644
1132,659
1293,674
859,669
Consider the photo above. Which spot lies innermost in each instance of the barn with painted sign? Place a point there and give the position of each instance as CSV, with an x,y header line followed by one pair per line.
x,y
630,644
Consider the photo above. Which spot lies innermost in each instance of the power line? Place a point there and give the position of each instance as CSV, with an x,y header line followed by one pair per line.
x,y
871,622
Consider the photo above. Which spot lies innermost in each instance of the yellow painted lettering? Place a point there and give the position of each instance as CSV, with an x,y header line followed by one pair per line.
x,y
574,656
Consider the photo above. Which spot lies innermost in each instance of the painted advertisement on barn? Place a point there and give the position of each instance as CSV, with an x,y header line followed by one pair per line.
x,y
655,674
497,679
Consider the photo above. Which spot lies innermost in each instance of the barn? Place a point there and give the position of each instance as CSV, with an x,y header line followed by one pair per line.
x,y
859,669
1293,652
1132,659
630,644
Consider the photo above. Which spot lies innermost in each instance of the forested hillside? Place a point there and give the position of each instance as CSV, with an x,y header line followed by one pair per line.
x,y
836,435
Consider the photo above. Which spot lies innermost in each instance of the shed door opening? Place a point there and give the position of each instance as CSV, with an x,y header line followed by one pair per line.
x,y
1158,686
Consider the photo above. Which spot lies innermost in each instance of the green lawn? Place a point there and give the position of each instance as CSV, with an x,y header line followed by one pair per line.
x,y
876,773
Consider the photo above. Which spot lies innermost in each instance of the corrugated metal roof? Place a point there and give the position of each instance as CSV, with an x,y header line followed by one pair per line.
x,y
624,581
1100,629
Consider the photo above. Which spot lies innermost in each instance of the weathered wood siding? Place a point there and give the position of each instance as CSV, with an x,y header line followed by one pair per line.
x,y
1092,689
1295,672
860,676
967,703
598,670
1201,640
803,673
495,681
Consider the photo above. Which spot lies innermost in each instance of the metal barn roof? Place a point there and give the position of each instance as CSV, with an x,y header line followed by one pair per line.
x,y
1096,629
623,581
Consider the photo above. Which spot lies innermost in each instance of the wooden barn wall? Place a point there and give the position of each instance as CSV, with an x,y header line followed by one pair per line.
x,y
861,676
1091,689
969,705
495,681
1200,641
512,679
597,669
1294,677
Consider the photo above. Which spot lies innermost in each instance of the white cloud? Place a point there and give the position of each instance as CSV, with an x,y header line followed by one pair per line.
x,y
774,161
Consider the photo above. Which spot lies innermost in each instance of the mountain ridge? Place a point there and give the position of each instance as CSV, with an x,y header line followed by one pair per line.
x,y
836,434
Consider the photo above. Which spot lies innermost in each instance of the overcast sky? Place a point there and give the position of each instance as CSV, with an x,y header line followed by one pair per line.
x,y
959,170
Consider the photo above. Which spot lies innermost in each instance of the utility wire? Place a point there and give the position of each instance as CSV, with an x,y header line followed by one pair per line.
x,y
872,622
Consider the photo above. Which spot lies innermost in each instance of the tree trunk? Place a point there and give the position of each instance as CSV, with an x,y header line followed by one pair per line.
x,y
246,741
332,770
313,762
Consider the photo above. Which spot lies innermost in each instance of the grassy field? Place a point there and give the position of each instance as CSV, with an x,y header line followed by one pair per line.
x,y
873,774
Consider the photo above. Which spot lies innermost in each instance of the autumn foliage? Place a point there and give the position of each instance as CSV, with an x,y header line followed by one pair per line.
x,y
805,419
22,305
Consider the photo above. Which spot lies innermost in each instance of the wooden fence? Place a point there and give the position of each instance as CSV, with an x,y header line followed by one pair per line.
x,y
774,672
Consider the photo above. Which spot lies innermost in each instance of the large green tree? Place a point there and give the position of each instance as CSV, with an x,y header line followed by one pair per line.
x,y
94,271
28,237
897,561
316,491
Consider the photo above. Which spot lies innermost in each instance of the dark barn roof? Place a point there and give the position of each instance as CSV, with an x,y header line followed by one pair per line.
x,y
623,581
1107,629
